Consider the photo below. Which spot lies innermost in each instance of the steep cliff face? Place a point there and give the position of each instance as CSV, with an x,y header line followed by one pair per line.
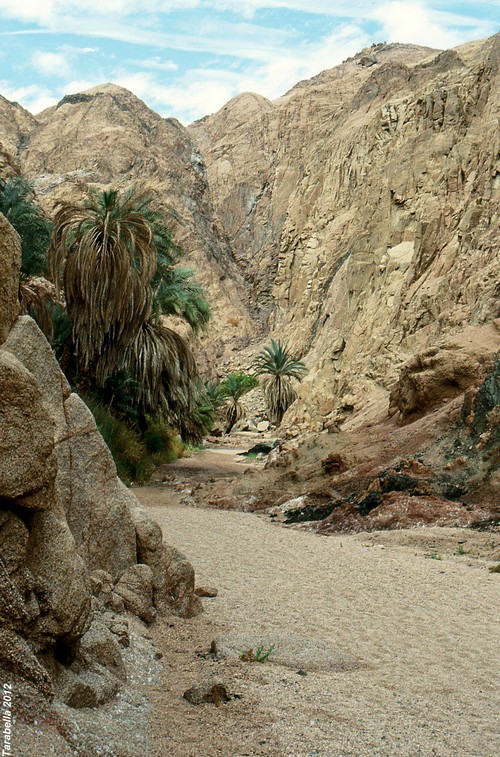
x,y
16,124
363,209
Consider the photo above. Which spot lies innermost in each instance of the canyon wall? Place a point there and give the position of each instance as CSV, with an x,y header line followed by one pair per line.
x,y
363,209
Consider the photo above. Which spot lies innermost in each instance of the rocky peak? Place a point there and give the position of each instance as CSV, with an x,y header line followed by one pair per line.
x,y
15,125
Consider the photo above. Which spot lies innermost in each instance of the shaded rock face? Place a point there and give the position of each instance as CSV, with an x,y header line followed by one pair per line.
x,y
10,255
15,126
445,371
65,518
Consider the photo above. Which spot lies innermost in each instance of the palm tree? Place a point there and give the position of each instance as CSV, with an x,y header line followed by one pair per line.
x,y
232,390
175,292
116,257
18,205
164,371
106,250
279,368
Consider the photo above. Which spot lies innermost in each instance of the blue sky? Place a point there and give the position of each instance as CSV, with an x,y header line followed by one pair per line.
x,y
187,58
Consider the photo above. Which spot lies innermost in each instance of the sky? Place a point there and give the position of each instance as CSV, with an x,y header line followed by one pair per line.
x,y
187,58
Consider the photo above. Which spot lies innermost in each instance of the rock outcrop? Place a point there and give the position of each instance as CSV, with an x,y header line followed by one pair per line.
x,y
76,548
10,255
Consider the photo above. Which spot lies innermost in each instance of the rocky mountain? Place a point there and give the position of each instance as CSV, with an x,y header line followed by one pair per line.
x,y
15,125
362,208
357,215
107,136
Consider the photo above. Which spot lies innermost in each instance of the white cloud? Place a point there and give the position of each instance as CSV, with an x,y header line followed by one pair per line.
x,y
78,50
417,21
233,54
201,91
193,95
47,12
33,98
75,86
414,21
155,63
51,64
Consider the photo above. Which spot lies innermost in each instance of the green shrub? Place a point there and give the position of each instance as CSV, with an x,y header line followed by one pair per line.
x,y
18,204
261,654
162,442
134,463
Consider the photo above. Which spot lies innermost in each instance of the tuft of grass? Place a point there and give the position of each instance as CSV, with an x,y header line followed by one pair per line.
x,y
433,556
136,452
132,459
261,654
461,550
495,568
163,442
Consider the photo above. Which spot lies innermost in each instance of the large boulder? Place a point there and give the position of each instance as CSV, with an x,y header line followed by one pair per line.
x,y
31,348
88,494
149,541
27,461
179,574
61,580
10,258
96,503
136,589
443,372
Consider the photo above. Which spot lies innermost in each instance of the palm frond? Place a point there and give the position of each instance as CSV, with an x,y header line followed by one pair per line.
x,y
276,360
176,292
108,256
164,372
18,205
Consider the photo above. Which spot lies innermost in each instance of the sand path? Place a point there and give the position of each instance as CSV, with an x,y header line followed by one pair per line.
x,y
400,651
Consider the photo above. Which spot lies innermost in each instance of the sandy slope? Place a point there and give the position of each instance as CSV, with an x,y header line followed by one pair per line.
x,y
400,650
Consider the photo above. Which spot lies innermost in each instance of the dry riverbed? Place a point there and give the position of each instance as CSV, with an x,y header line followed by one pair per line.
x,y
384,643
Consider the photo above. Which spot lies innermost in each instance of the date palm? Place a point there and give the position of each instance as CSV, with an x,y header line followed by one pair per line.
x,y
106,251
230,391
164,372
115,258
278,367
